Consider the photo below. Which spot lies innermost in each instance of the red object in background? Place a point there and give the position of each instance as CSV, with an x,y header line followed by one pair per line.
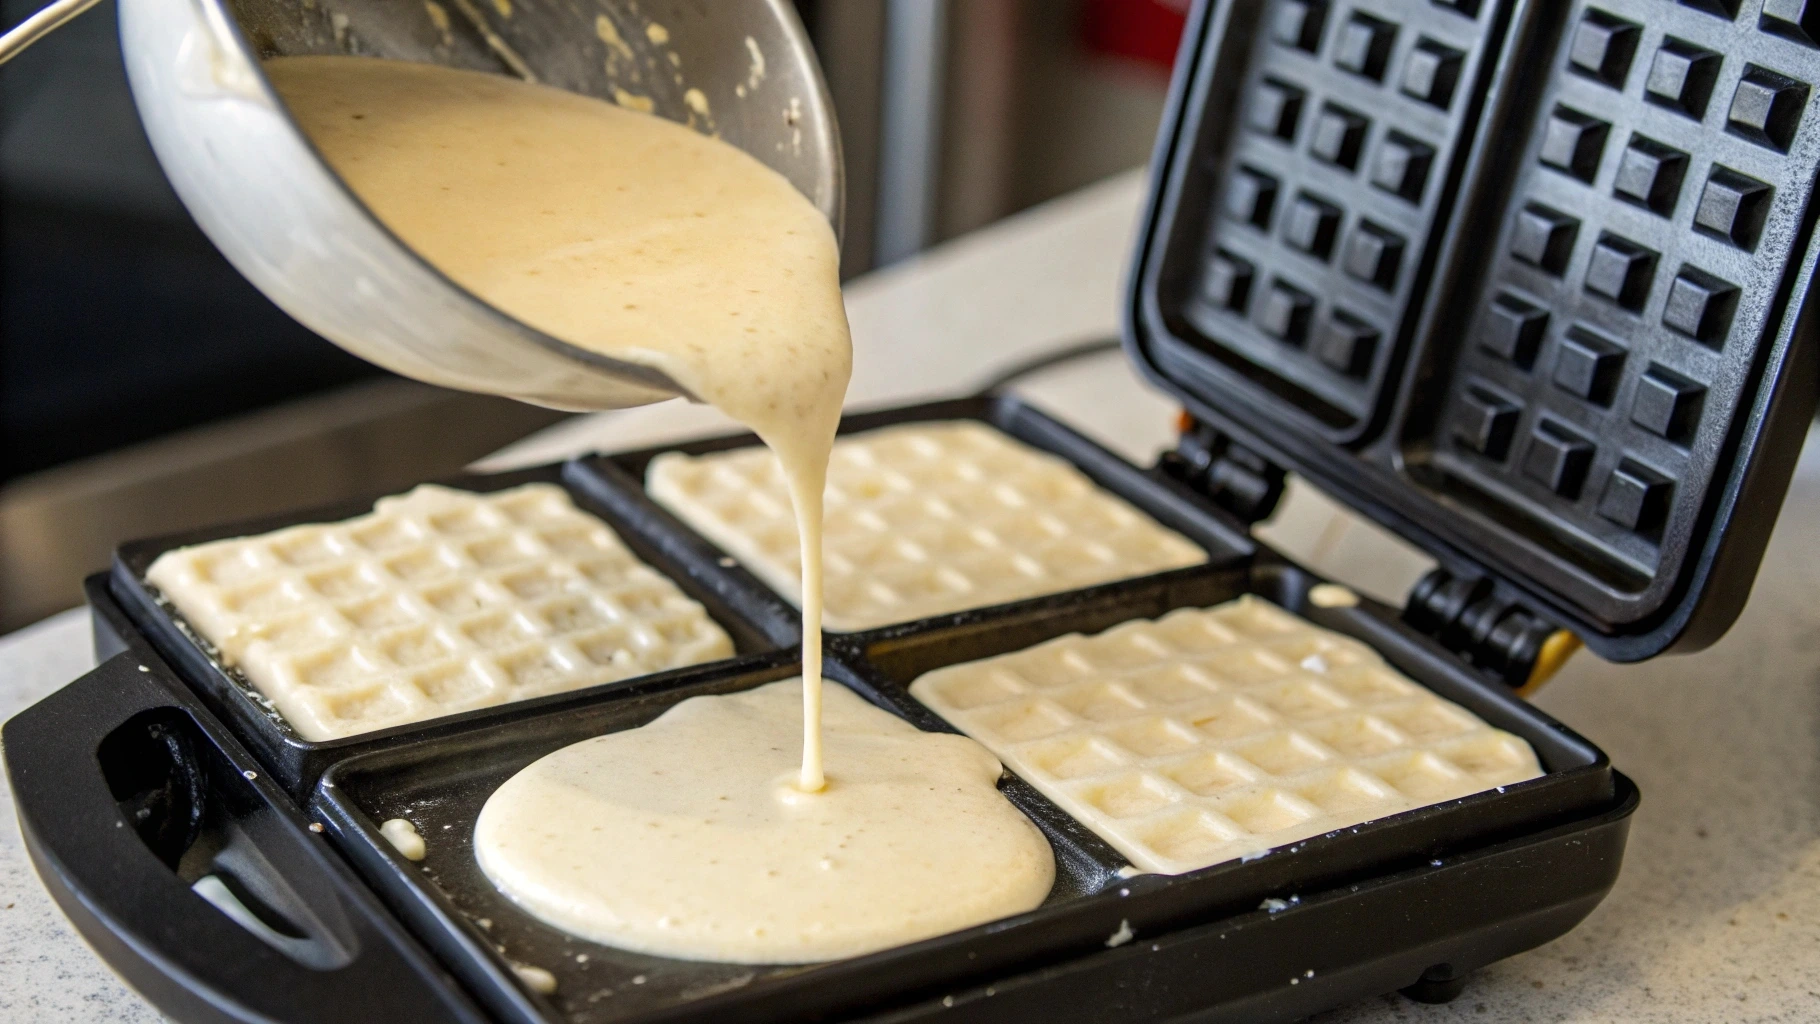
x,y
1142,30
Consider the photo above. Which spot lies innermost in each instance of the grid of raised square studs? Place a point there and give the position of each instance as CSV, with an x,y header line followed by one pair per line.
x,y
436,602
1214,733
1349,121
1669,140
922,519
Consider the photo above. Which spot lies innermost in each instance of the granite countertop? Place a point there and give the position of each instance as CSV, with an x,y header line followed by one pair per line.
x,y
1716,916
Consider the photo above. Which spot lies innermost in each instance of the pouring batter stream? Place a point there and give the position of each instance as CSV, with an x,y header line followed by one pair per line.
x,y
617,232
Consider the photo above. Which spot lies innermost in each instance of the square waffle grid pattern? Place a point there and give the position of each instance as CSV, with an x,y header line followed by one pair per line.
x,y
1653,220
1211,734
1336,186
922,519
439,601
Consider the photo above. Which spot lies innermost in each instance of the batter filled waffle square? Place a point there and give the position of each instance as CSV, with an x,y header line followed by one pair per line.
x,y
438,601
1211,734
923,519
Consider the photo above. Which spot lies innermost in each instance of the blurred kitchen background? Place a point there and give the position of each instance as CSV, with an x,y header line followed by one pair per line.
x,y
146,388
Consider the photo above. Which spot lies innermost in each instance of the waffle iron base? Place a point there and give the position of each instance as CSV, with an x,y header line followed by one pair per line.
x,y
131,789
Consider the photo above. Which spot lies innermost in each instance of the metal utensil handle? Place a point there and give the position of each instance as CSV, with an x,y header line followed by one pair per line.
x,y
39,25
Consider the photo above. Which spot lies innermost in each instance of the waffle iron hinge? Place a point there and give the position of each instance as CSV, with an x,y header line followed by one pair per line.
x,y
1234,477
1494,633
1465,614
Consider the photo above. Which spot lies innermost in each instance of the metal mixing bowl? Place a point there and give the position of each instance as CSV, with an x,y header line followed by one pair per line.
x,y
267,199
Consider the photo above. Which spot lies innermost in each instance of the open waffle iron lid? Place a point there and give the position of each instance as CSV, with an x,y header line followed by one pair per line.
x,y
1525,282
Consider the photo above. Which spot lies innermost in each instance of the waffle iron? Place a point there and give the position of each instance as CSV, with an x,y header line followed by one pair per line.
x,y
1581,420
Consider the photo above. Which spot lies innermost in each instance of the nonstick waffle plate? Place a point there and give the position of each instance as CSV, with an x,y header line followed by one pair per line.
x,y
441,783
1526,282
617,482
298,761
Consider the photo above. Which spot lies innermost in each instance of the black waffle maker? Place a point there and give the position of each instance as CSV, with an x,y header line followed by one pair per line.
x,y
1524,282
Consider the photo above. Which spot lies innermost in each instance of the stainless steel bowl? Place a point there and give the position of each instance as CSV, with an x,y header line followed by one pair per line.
x,y
271,204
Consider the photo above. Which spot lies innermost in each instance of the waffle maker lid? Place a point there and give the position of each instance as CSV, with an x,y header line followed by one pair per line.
x,y
1526,283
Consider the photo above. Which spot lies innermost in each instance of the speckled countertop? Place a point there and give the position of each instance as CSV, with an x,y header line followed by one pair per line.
x,y
1717,914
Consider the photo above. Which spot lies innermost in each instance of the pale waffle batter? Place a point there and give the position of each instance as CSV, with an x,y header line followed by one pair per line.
x,y
616,231
438,601
923,519
688,837
1211,734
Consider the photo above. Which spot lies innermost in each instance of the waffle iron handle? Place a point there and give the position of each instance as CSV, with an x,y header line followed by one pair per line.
x,y
193,876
